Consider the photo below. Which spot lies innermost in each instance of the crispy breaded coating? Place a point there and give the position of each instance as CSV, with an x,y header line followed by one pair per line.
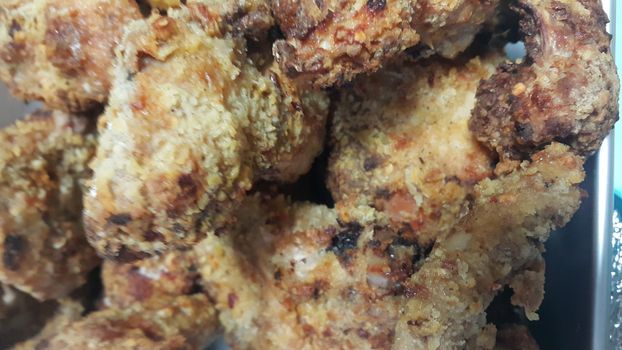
x,y
250,17
566,90
295,277
329,42
190,126
60,51
401,144
503,233
43,160
169,275
166,324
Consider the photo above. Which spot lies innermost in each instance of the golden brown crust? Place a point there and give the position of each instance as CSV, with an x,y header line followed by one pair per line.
x,y
293,276
43,160
191,125
566,90
402,145
510,219
253,18
185,322
60,51
170,275
331,41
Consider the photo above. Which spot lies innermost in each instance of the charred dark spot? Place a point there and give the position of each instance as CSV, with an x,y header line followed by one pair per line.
x,y
278,275
331,231
187,184
151,236
276,82
14,246
374,244
319,3
416,323
559,11
524,131
179,229
296,106
371,163
120,219
383,193
152,334
346,239
14,28
64,40
362,333
126,255
376,5
196,287
453,178
232,298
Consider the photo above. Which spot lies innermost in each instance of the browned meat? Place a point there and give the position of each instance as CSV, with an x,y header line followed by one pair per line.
x,y
330,41
566,89
295,277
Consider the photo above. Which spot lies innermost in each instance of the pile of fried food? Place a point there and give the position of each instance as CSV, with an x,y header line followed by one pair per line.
x,y
146,206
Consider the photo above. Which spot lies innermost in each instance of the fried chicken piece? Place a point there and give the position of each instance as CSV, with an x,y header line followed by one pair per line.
x,y
401,144
331,41
43,160
169,275
504,232
292,276
190,126
167,324
60,51
566,90
156,302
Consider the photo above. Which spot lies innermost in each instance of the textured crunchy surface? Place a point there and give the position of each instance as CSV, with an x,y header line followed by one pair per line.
x,y
43,160
250,17
169,275
566,90
294,277
330,41
165,324
60,51
191,124
500,237
401,144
